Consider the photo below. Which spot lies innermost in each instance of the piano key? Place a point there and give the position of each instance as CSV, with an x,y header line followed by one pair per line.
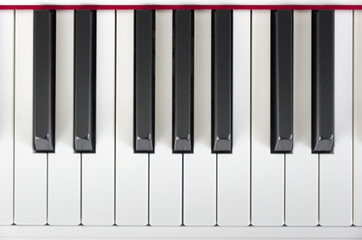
x,y
131,199
183,65
336,168
266,168
30,169
84,81
64,192
357,140
222,46
144,81
98,168
6,109
44,81
281,81
322,81
302,165
200,192
165,186
234,169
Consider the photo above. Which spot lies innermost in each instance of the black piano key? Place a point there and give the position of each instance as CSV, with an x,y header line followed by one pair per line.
x,y
44,81
322,81
281,81
144,81
85,81
183,80
222,46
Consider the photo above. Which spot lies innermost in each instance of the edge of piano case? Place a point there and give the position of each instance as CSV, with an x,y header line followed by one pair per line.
x,y
178,7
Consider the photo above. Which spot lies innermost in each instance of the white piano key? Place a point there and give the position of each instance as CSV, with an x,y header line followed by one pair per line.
x,y
267,169
64,164
6,109
30,168
200,166
357,118
131,169
302,165
336,168
234,169
165,178
98,167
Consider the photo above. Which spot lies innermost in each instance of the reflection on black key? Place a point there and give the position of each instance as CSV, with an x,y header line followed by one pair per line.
x,y
44,81
281,81
144,81
222,81
322,81
183,80
85,81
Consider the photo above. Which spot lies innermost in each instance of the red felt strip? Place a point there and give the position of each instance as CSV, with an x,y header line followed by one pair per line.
x,y
173,7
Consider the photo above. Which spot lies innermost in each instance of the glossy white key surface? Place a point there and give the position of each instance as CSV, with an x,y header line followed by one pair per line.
x,y
30,167
267,169
6,109
98,167
302,165
336,168
200,167
165,181
234,169
357,118
131,169
64,164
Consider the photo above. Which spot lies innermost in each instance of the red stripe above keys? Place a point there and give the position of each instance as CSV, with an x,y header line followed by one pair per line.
x,y
172,7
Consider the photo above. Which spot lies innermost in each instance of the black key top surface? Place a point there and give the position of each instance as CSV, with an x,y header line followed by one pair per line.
x,y
322,81
44,81
183,80
222,81
281,81
85,81
144,81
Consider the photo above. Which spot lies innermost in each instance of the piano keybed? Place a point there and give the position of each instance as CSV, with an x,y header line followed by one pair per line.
x,y
165,122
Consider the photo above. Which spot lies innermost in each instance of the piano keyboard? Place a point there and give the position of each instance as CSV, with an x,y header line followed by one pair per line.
x,y
191,122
